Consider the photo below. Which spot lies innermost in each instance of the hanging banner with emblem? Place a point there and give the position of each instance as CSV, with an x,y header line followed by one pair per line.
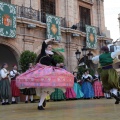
x,y
53,27
91,37
7,20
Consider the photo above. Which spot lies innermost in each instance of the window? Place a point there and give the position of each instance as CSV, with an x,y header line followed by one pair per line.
x,y
48,6
84,18
7,1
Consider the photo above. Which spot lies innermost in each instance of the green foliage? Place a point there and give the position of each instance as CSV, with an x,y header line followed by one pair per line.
x,y
58,58
26,58
82,69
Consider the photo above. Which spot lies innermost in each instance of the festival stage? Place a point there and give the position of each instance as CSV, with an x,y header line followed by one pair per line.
x,y
101,109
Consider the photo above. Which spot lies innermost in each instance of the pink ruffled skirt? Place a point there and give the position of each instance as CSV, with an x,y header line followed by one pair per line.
x,y
42,76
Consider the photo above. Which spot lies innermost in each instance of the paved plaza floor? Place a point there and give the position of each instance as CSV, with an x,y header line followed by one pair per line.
x,y
101,109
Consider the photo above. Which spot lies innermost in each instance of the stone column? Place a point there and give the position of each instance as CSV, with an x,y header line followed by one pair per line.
x,y
68,51
28,44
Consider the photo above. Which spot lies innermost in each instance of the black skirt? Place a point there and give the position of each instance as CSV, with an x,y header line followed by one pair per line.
x,y
5,89
29,91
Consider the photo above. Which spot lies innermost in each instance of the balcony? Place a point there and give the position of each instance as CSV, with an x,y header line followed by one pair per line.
x,y
30,13
88,1
81,27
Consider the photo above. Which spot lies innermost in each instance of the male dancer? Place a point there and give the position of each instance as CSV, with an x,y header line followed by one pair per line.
x,y
108,74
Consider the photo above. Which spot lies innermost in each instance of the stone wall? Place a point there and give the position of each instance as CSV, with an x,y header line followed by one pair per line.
x,y
31,39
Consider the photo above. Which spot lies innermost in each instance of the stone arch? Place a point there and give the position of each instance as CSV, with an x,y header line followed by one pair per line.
x,y
9,54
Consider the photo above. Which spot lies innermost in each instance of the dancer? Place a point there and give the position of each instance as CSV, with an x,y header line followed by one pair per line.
x,y
45,76
5,85
87,87
97,86
77,87
29,92
14,89
108,74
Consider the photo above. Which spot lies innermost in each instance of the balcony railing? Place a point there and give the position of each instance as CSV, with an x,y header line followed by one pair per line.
x,y
30,13
88,1
81,27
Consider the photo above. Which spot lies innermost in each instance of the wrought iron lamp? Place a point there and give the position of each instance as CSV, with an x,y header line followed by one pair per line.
x,y
78,55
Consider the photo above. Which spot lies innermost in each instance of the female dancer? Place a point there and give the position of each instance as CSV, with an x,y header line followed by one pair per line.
x,y
15,91
45,77
5,85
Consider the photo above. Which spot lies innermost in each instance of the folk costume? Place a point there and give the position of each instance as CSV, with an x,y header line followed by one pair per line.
x,y
87,87
77,89
14,89
44,76
97,86
57,95
5,86
107,73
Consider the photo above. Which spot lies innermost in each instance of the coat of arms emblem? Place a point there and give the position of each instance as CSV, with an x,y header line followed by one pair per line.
x,y
7,20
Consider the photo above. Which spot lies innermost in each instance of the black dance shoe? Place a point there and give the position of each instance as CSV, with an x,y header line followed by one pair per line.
x,y
40,108
44,103
4,103
32,101
14,102
116,98
26,101
7,103
116,102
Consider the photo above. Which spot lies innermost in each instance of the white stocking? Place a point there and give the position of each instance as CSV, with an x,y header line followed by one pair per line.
x,y
114,91
3,100
26,99
42,98
13,99
107,95
6,100
31,97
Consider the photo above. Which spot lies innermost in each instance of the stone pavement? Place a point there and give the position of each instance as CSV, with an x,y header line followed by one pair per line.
x,y
101,109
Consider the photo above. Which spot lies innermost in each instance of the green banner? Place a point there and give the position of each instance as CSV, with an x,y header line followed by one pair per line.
x,y
59,49
7,20
53,27
91,37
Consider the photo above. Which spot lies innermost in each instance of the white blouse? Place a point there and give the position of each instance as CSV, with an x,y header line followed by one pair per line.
x,y
86,76
4,73
113,55
13,73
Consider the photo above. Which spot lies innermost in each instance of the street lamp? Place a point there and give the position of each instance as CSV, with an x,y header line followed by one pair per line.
x,y
90,55
84,50
78,55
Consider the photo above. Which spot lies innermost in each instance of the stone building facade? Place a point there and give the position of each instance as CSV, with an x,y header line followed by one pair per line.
x,y
72,12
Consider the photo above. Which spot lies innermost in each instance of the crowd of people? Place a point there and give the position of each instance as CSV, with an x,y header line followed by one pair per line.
x,y
88,87
49,79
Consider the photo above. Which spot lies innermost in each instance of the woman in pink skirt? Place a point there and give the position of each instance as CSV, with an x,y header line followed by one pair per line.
x,y
70,94
45,76
97,86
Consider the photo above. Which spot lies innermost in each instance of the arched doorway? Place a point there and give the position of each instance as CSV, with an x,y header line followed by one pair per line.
x,y
8,55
